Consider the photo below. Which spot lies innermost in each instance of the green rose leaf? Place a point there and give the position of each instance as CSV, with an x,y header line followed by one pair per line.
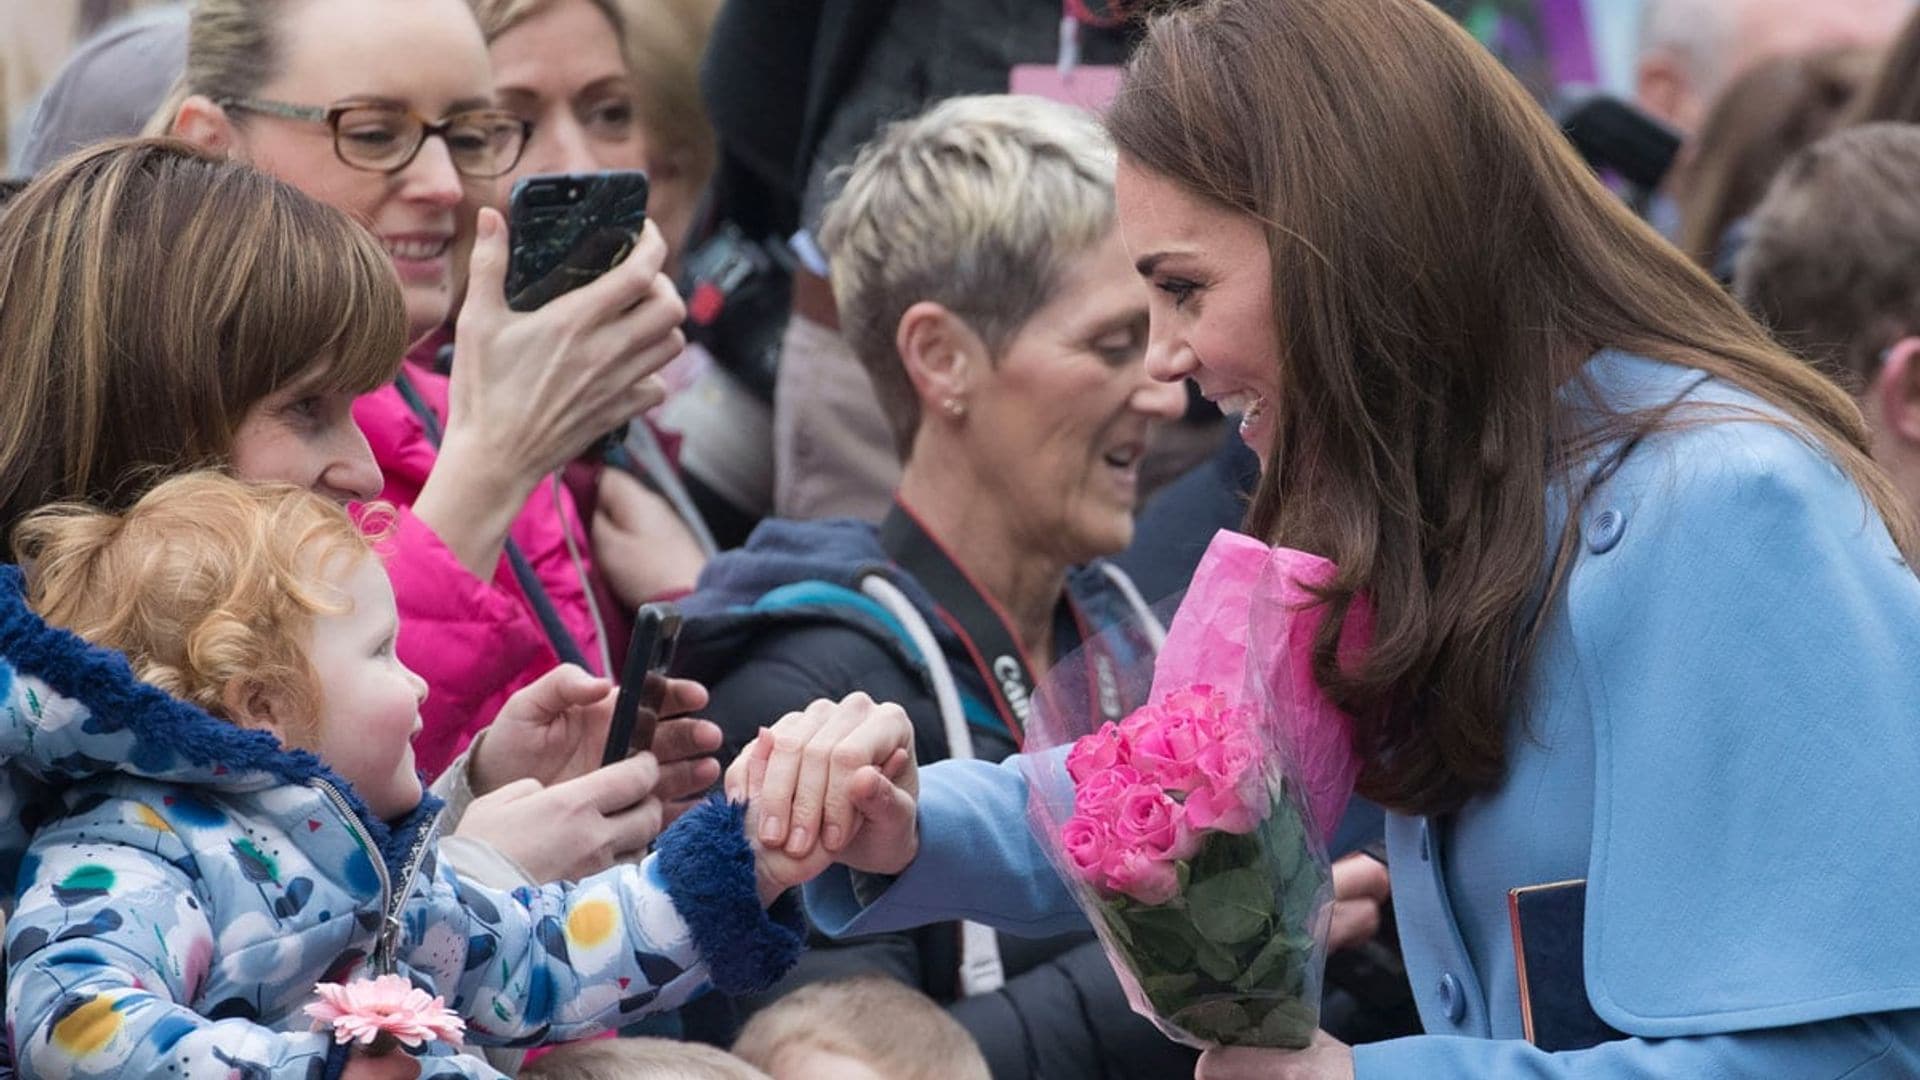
x,y
1231,907
1289,1026
1168,992
1216,960
1215,1021
1161,939
1298,893
1221,852
1286,841
1268,968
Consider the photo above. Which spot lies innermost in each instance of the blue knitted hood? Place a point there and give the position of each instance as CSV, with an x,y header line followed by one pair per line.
x,y
72,712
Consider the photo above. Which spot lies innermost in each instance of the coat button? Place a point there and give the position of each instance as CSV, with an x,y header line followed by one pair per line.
x,y
1604,531
1452,1001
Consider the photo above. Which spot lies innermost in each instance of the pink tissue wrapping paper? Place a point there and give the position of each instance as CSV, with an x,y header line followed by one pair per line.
x,y
1219,626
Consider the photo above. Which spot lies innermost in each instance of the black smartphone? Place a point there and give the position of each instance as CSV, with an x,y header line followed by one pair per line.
x,y
566,230
643,682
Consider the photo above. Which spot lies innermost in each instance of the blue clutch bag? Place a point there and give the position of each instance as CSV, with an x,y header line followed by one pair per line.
x,y
1549,928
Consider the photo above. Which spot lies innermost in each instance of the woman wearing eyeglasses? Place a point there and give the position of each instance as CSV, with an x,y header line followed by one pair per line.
x,y
383,108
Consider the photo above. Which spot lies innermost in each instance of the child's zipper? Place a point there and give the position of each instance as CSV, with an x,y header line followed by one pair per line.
x,y
391,899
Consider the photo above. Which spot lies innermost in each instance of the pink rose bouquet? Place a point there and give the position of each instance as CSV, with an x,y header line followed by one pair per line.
x,y
384,1013
1193,830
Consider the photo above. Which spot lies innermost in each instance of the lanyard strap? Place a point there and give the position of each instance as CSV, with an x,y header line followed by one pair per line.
x,y
567,649
981,625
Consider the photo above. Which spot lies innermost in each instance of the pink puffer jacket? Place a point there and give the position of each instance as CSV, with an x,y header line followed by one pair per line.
x,y
475,642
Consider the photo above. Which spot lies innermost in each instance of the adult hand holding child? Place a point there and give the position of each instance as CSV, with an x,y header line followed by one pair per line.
x,y
835,783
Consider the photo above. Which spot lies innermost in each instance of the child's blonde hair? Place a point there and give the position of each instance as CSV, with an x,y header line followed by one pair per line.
x,y
638,1059
900,1032
205,581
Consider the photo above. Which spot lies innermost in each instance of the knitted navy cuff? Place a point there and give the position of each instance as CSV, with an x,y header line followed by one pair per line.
x,y
708,866
337,1054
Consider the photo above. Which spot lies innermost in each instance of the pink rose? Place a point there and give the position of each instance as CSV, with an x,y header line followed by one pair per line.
x,y
1229,762
1223,809
1098,752
1141,876
1167,752
1104,789
1151,822
1086,843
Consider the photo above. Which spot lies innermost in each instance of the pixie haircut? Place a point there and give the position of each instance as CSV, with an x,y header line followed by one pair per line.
x,y
206,582
152,296
1832,260
898,1031
977,204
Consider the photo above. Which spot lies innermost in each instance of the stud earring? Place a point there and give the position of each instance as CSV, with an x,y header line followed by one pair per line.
x,y
955,407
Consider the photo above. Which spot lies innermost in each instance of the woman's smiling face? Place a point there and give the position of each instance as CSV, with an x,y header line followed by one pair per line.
x,y
1211,312
423,55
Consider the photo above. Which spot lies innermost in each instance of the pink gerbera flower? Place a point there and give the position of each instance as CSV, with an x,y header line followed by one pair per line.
x,y
364,1010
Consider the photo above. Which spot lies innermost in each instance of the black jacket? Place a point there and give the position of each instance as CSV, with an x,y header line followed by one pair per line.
x,y
779,624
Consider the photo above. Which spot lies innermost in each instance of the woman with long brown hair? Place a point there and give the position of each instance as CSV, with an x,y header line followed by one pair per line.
x,y
1643,609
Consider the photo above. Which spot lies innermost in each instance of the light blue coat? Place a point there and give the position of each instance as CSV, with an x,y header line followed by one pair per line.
x,y
1720,730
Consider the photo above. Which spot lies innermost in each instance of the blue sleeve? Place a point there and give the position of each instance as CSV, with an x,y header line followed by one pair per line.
x,y
1883,1047
978,861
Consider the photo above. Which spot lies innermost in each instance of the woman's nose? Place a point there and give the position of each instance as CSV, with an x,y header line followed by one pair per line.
x,y
432,177
1168,359
352,475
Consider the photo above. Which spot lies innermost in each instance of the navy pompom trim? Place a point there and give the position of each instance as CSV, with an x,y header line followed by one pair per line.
x,y
708,866
337,1054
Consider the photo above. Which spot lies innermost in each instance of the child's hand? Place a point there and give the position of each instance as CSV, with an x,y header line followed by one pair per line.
x,y
775,871
839,777
391,1066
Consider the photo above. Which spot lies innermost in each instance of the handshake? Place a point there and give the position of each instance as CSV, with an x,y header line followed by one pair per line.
x,y
834,784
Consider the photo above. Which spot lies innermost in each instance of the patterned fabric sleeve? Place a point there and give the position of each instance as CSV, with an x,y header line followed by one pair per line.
x,y
563,961
108,944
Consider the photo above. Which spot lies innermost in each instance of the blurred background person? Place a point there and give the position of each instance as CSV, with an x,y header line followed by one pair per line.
x,y
1766,114
107,88
564,68
1691,50
862,1028
638,1059
1894,93
1832,267
35,38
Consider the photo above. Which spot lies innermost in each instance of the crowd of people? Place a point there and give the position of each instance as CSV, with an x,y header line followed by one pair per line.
x,y
321,556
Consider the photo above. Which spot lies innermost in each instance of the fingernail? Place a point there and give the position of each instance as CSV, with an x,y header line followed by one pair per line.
x,y
771,829
798,842
833,838
489,224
